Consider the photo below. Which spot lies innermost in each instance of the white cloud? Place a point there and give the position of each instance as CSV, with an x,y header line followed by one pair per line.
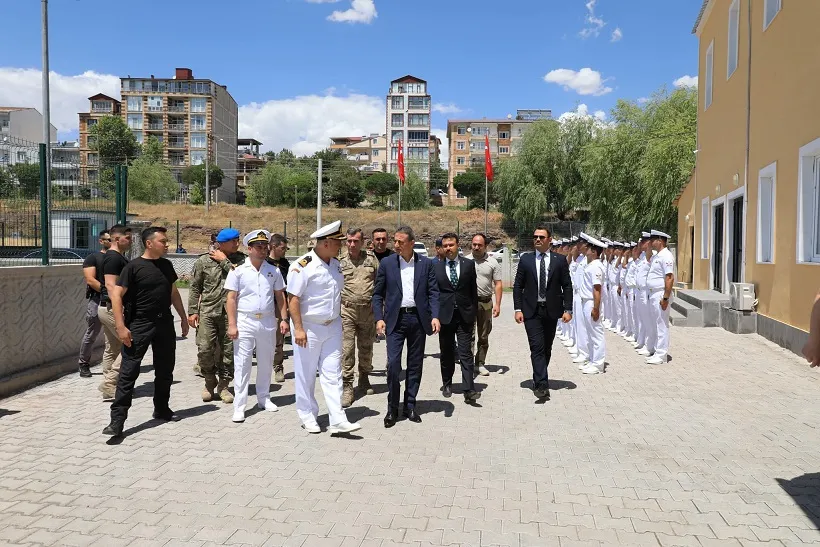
x,y
322,1
617,34
305,124
582,111
69,94
361,11
686,81
584,82
594,24
643,100
449,108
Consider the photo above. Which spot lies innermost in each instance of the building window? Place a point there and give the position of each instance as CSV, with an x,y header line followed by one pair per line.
x,y
707,91
91,122
197,157
461,145
394,154
704,228
418,153
766,184
503,134
198,140
770,9
418,120
397,120
135,121
419,103
101,106
198,123
397,103
503,149
134,104
462,130
808,203
375,153
418,137
80,233
154,104
93,159
137,135
734,25
461,160
198,104
396,136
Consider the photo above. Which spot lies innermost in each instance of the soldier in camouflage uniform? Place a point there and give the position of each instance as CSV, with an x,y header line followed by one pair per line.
x,y
359,268
206,313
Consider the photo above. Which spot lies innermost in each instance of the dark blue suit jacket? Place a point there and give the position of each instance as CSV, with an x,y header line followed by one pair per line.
x,y
387,293
559,286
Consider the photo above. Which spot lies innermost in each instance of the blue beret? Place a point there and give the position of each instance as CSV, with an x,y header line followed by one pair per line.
x,y
227,234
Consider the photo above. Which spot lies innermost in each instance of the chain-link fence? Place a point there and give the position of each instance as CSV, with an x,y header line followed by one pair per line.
x,y
34,230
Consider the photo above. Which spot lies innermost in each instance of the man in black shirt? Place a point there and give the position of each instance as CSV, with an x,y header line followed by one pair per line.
x,y
380,249
141,303
92,272
278,248
112,264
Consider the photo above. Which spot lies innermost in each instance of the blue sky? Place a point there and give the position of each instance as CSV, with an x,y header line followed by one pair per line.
x,y
302,70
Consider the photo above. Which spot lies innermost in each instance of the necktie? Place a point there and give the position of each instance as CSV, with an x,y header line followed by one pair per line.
x,y
542,278
453,275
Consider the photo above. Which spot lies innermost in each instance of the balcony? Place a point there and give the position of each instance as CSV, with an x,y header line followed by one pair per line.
x,y
419,107
154,109
176,161
176,144
102,109
155,126
418,142
176,108
413,123
359,157
176,127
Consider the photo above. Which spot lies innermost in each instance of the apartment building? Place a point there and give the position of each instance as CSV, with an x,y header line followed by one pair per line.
x,y
65,167
408,120
192,117
21,129
248,161
100,105
466,139
751,211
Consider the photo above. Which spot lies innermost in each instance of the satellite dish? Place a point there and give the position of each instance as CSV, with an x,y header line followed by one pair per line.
x,y
509,116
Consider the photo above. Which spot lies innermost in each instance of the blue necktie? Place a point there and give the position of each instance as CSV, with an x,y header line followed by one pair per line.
x,y
453,274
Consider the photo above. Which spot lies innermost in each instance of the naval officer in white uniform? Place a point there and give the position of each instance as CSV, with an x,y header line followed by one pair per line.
x,y
315,284
254,288
591,290
659,281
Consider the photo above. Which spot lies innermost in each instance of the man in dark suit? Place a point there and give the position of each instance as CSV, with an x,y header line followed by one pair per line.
x,y
406,307
458,305
542,294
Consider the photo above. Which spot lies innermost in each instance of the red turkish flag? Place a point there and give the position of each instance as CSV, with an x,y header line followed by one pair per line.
x,y
488,164
401,163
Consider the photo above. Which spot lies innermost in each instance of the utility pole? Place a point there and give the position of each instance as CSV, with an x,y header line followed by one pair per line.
x,y
319,197
46,120
296,205
208,177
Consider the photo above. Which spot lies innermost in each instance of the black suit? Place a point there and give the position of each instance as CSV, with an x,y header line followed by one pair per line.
x,y
541,318
458,306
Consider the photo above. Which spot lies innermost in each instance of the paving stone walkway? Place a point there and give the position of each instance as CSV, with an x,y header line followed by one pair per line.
x,y
719,447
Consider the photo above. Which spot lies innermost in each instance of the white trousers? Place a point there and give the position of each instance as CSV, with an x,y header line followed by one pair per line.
x,y
641,315
651,323
581,340
256,333
615,303
571,325
626,306
605,310
660,318
323,353
596,343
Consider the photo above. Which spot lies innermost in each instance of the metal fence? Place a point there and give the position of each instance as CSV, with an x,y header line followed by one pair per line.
x,y
60,225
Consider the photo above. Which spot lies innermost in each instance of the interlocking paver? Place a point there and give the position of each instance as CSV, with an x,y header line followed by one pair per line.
x,y
692,453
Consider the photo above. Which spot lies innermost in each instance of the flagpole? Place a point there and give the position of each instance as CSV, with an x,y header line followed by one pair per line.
x,y
486,201
400,183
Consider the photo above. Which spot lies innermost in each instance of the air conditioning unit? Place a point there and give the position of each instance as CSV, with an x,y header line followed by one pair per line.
x,y
741,296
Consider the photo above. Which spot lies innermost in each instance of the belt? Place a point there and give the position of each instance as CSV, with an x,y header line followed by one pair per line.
x,y
411,309
355,304
153,315
586,299
485,300
256,315
323,323
651,291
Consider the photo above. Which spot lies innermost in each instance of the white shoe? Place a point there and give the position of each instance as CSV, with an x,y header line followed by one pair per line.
x,y
482,371
562,337
268,405
568,342
637,345
582,366
591,369
630,339
344,427
645,352
655,360
312,428
573,351
580,359
238,416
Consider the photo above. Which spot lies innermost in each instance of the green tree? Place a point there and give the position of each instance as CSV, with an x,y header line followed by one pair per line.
x,y
116,145
194,176
413,193
266,187
346,188
196,195
471,185
286,157
151,182
27,176
328,156
381,186
152,150
438,177
300,185
6,183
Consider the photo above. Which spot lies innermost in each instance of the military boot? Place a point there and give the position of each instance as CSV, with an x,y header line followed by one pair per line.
x,y
364,384
208,392
198,371
279,374
347,395
223,392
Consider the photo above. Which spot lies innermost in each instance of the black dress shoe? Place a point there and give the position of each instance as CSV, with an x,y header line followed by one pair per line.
x,y
446,391
413,416
470,396
389,420
114,429
166,415
542,393
85,371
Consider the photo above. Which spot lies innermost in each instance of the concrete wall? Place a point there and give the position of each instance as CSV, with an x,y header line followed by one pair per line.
x,y
41,320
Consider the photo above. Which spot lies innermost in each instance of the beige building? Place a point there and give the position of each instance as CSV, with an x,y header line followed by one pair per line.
x,y
192,117
248,162
99,106
369,154
751,210
408,120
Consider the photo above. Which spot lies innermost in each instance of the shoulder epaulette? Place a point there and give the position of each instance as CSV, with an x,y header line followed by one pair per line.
x,y
305,261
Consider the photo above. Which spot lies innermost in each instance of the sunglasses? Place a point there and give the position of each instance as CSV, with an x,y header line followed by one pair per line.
x,y
540,237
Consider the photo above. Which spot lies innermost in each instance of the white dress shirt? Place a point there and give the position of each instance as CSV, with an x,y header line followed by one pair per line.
x,y
318,285
408,278
538,271
255,288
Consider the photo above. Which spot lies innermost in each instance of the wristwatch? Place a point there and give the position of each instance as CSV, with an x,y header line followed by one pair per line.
x,y
666,299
